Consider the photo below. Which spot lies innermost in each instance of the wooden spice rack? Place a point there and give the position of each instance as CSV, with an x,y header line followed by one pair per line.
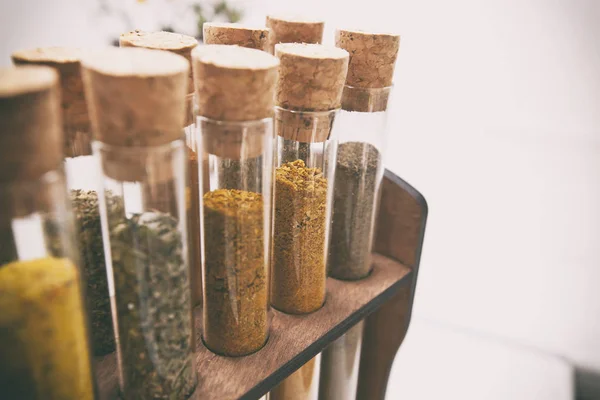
x,y
384,300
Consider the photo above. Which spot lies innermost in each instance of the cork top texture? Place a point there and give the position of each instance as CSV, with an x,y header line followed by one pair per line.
x,y
236,34
293,29
234,83
31,137
65,60
372,62
136,97
372,57
311,76
311,79
167,41
235,89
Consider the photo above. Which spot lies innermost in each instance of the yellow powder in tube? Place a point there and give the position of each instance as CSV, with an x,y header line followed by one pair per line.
x,y
43,341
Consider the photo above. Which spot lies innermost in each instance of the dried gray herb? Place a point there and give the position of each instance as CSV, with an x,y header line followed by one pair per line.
x,y
357,178
241,174
84,204
89,234
154,313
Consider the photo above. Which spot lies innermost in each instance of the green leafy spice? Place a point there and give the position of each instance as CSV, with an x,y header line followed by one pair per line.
x,y
235,291
299,238
152,295
357,178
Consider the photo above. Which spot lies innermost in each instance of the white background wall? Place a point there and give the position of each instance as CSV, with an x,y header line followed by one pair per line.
x,y
496,122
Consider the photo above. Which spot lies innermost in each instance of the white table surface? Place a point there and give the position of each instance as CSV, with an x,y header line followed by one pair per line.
x,y
439,362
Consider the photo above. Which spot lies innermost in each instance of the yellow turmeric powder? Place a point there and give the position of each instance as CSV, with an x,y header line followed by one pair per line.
x,y
43,341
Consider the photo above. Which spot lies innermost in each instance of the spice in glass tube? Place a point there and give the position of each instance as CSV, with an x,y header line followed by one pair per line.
x,y
89,234
193,193
42,332
235,291
296,386
298,284
152,287
354,205
339,366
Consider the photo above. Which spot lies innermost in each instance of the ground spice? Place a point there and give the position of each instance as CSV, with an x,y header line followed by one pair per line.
x,y
298,264
235,291
296,386
357,178
43,341
193,193
152,296
89,234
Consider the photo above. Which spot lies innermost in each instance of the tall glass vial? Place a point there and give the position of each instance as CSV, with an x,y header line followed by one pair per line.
x,y
136,99
43,332
311,79
182,45
234,91
358,177
359,168
340,364
82,179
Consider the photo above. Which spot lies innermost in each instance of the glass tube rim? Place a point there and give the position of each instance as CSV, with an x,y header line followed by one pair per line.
x,y
323,113
100,146
374,90
241,124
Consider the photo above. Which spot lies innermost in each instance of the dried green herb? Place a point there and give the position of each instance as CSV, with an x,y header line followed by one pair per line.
x,y
299,238
357,178
235,291
89,234
154,314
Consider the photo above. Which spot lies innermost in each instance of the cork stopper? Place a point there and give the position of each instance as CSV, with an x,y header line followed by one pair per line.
x,y
235,34
168,41
233,84
372,57
76,122
293,29
311,78
31,136
137,100
372,60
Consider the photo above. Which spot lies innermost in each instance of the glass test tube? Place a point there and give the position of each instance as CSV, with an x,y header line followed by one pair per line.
x,y
304,160
43,330
358,177
359,173
138,116
303,384
339,366
311,77
237,85
82,178
237,231
182,45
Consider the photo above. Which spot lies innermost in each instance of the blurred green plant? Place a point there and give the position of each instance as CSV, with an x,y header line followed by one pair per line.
x,y
204,11
220,9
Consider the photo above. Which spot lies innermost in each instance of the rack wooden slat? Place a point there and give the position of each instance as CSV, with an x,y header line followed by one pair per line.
x,y
294,339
